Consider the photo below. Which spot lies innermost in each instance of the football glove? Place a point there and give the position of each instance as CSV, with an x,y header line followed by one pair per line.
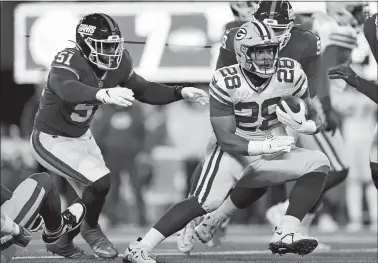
x,y
273,145
195,95
123,97
296,120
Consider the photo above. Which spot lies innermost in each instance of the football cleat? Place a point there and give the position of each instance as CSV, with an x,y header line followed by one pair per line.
x,y
284,242
99,243
187,238
37,224
72,217
23,238
138,253
275,213
207,228
65,248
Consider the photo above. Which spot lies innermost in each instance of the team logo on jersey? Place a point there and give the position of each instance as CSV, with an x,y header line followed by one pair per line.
x,y
86,29
242,32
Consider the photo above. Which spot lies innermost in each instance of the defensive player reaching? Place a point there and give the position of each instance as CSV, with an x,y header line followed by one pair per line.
x,y
35,198
304,47
366,87
250,136
98,70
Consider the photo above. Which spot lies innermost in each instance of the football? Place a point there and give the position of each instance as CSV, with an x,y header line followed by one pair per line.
x,y
292,102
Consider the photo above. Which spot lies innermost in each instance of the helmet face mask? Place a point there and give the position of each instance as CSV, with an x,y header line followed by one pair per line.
x,y
279,15
256,48
106,54
99,38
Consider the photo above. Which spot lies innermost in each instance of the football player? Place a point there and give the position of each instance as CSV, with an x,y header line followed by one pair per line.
x,y
34,202
304,47
368,88
98,70
250,135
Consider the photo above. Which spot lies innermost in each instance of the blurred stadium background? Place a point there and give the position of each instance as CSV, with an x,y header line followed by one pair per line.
x,y
152,151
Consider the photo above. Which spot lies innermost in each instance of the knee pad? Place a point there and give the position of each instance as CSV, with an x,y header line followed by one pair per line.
x,y
374,173
43,180
102,185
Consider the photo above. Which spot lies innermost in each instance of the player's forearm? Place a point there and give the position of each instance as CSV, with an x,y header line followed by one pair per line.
x,y
72,91
152,92
367,88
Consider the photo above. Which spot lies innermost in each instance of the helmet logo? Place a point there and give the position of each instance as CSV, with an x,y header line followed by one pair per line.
x,y
242,32
86,29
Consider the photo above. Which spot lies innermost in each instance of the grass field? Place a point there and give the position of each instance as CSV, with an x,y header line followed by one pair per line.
x,y
242,244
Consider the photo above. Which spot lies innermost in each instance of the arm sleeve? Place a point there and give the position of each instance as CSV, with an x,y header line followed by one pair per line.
x,y
67,86
368,88
311,63
151,92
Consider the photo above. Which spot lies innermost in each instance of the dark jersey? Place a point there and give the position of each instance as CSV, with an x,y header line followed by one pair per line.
x,y
303,46
371,34
59,117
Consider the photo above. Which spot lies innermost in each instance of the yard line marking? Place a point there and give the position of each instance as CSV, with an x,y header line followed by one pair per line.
x,y
225,253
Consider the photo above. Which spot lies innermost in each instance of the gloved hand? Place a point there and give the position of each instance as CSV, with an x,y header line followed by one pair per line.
x,y
118,96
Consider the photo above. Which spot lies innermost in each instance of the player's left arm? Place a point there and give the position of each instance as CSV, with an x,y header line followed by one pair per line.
x,y
311,64
309,123
160,94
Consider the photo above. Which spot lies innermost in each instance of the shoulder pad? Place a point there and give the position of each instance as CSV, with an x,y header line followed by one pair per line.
x,y
221,84
70,59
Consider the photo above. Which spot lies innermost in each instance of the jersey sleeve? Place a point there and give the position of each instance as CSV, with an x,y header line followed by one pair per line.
x,y
218,91
311,62
126,68
69,59
300,83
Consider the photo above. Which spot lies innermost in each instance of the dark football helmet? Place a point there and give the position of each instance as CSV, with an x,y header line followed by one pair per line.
x,y
99,38
244,10
279,15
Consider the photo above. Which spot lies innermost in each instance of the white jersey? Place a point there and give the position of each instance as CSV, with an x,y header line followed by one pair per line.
x,y
333,34
255,108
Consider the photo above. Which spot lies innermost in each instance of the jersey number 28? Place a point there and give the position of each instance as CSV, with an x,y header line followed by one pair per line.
x,y
286,71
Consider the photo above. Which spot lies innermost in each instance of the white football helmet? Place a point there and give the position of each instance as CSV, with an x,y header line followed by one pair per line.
x,y
255,37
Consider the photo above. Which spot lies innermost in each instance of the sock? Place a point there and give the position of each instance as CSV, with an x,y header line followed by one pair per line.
x,y
305,194
289,223
56,231
374,173
152,238
335,178
50,211
178,216
279,194
94,197
243,197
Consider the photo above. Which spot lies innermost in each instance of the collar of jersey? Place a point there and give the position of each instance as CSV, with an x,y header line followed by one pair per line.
x,y
263,86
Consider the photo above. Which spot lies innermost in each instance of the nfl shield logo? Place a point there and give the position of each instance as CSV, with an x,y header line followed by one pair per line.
x,y
100,84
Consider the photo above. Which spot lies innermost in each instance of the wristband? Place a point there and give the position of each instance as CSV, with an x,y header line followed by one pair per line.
x,y
177,92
